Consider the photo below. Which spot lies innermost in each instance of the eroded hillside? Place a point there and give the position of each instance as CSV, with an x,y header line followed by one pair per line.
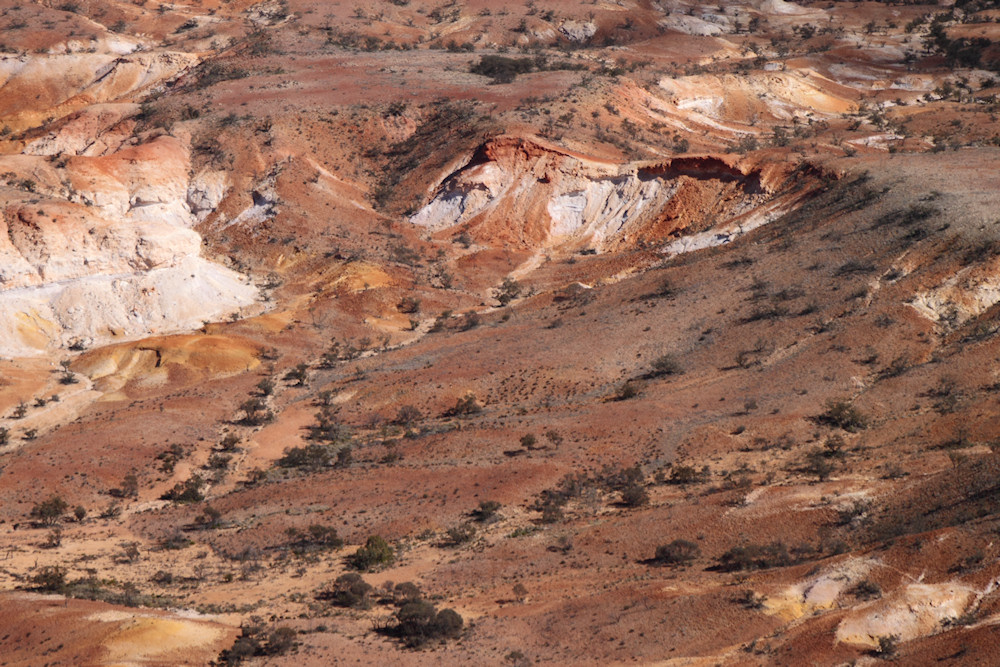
x,y
635,332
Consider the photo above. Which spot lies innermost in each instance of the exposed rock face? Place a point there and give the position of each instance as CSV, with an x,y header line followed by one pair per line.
x,y
105,249
519,192
37,87
578,31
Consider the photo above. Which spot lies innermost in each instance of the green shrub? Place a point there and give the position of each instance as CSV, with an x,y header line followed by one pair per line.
x,y
419,622
349,590
842,414
375,554
48,512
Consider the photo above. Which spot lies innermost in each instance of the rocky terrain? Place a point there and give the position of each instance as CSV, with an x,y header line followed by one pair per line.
x,y
420,333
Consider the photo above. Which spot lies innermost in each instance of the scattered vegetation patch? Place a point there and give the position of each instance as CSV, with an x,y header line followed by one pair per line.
x,y
842,414
419,623
678,553
374,555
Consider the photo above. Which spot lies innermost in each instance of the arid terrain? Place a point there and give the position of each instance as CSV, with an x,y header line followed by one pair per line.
x,y
405,332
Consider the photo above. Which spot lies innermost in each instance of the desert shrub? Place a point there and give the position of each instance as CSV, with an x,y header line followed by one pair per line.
x,y
298,375
406,591
49,511
266,387
888,646
376,553
687,475
50,579
461,534
630,389
470,320
316,537
255,412
209,518
311,457
349,590
819,464
676,553
486,512
755,557
509,290
328,427
188,491
176,540
257,640
666,364
501,68
419,622
750,600
866,590
409,305
665,290
634,495
842,414
854,266
466,406
230,443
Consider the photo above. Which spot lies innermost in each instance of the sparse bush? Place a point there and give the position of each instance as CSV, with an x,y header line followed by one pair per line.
x,y
298,376
819,464
630,389
256,640
188,491
375,554
750,600
634,495
312,456
419,622
866,590
266,387
842,414
502,69
349,590
255,412
687,475
316,537
466,406
486,512
509,290
755,557
677,553
666,364
888,647
461,534
50,579
48,512
409,305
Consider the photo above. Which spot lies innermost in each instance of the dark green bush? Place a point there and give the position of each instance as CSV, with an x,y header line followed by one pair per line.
x,y
376,553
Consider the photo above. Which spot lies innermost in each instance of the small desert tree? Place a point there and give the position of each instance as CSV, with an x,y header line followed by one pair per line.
x,y
49,511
